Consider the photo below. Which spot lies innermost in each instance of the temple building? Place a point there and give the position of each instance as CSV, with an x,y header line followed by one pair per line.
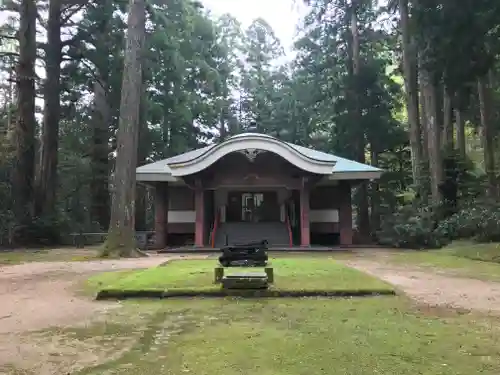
x,y
252,187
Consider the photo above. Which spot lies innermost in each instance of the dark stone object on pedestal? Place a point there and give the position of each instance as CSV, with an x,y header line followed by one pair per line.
x,y
252,254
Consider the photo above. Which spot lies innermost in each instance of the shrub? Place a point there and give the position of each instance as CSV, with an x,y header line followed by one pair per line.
x,y
479,221
425,228
412,228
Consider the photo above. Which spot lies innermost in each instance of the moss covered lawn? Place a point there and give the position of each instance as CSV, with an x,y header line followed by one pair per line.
x,y
299,274
479,261
380,335
70,254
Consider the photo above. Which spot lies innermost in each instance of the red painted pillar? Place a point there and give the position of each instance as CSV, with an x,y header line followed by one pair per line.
x,y
161,215
305,232
345,213
199,203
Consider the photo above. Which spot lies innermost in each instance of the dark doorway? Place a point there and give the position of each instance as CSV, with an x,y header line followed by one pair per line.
x,y
325,239
252,207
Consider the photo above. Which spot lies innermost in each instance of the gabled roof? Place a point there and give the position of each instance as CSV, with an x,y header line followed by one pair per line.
x,y
304,158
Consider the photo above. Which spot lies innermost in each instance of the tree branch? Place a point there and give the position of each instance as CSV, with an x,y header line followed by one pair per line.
x,y
71,12
10,37
89,68
41,20
71,41
9,54
9,5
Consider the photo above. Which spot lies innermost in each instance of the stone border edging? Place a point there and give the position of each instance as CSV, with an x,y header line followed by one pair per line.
x,y
110,294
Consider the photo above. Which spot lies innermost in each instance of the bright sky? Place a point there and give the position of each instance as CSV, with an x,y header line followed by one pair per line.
x,y
282,15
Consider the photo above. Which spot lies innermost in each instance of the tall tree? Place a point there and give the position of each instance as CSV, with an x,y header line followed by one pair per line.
x,y
23,171
258,81
46,181
121,238
59,13
411,90
448,129
102,112
356,115
460,126
231,39
487,131
433,133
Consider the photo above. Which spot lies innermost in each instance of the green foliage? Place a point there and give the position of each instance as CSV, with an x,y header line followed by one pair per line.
x,y
441,25
435,227
462,180
206,78
412,229
6,214
44,231
479,221
461,214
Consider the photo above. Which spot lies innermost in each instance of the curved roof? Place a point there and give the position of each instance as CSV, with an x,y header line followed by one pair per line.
x,y
196,162
302,157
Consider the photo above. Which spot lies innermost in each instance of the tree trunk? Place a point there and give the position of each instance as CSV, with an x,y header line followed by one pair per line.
x,y
487,133
460,125
101,121
355,41
424,192
143,150
99,156
411,91
363,211
447,137
375,194
121,238
433,138
46,181
423,121
9,104
24,167
222,125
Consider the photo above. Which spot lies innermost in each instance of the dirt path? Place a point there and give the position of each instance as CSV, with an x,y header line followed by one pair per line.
x,y
38,295
434,289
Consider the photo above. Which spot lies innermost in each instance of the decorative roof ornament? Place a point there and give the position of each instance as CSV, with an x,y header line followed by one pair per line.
x,y
251,153
251,177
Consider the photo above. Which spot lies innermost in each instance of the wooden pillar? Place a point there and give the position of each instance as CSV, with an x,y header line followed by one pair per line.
x,y
345,213
305,232
161,215
199,202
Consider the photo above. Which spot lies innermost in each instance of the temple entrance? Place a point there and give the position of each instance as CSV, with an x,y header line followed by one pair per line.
x,y
253,207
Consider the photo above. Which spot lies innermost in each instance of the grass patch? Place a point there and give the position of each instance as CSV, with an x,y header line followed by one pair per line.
x,y
47,255
102,280
306,336
293,277
461,259
489,252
